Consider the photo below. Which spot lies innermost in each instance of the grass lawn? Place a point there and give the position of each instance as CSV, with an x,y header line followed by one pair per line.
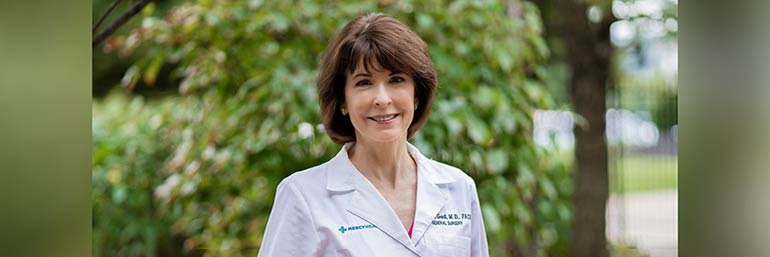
x,y
644,173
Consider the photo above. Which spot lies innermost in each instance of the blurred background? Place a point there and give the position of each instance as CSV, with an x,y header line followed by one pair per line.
x,y
564,112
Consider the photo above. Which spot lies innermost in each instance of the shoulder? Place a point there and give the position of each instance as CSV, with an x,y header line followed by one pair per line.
x,y
458,184
310,179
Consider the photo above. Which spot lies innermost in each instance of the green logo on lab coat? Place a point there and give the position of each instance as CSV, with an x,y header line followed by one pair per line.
x,y
344,229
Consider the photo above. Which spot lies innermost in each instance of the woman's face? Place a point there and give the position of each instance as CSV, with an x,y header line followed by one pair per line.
x,y
380,104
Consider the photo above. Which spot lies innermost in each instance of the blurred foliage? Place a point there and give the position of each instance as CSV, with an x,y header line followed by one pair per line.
x,y
665,114
195,174
653,93
108,70
642,83
645,82
625,250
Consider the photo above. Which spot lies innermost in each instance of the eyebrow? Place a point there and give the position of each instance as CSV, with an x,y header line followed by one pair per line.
x,y
369,75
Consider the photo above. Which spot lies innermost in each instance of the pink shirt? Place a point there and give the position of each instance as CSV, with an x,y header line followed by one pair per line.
x,y
410,230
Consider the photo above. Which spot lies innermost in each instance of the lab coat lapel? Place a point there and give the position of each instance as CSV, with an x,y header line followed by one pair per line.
x,y
365,201
430,197
369,205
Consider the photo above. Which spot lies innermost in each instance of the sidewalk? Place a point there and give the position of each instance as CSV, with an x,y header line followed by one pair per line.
x,y
647,220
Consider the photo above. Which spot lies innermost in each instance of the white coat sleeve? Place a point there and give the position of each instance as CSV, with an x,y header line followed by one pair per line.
x,y
479,247
290,228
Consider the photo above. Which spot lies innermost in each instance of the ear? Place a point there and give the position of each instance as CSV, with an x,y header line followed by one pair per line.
x,y
343,110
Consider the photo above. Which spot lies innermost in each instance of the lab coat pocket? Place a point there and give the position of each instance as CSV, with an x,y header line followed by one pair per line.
x,y
448,246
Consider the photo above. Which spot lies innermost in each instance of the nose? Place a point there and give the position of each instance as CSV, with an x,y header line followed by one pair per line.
x,y
382,98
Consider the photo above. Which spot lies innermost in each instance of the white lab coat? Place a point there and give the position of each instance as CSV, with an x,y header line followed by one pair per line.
x,y
333,210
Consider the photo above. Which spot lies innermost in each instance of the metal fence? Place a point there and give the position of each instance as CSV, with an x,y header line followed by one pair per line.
x,y
642,209
642,140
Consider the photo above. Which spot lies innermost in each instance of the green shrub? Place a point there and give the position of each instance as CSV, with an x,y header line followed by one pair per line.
x,y
196,174
665,113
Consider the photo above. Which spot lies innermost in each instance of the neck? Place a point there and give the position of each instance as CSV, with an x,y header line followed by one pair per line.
x,y
385,163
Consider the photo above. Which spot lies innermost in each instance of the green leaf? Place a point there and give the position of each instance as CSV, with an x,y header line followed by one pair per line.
x,y
130,77
151,73
497,161
505,60
478,131
547,187
491,218
119,194
424,20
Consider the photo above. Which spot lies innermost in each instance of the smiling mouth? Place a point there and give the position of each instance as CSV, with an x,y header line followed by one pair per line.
x,y
384,118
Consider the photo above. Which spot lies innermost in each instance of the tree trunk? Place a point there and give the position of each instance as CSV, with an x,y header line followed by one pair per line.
x,y
588,52
591,178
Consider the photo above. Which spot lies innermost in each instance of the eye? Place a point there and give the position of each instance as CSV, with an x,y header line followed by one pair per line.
x,y
364,82
397,79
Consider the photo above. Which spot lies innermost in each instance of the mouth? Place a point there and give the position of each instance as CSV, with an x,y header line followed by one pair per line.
x,y
384,118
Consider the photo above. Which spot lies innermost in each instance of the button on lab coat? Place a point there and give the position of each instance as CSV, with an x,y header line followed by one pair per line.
x,y
333,210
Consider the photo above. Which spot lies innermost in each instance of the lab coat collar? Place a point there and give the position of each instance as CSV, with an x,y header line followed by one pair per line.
x,y
341,177
341,172
431,197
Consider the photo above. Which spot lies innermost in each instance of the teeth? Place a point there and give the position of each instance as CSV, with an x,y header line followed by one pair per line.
x,y
386,118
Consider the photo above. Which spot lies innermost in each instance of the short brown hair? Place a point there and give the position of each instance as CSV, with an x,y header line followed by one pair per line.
x,y
381,38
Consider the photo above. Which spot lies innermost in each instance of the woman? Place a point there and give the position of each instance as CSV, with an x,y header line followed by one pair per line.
x,y
379,196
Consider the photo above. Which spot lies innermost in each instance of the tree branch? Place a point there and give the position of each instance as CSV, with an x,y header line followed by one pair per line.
x,y
109,30
104,15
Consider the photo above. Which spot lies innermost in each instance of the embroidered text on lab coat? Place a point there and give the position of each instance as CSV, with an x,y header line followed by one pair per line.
x,y
450,219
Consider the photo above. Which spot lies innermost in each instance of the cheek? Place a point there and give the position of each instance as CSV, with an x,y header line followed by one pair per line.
x,y
350,101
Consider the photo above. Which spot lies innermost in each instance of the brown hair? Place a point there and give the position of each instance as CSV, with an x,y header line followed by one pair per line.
x,y
381,38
